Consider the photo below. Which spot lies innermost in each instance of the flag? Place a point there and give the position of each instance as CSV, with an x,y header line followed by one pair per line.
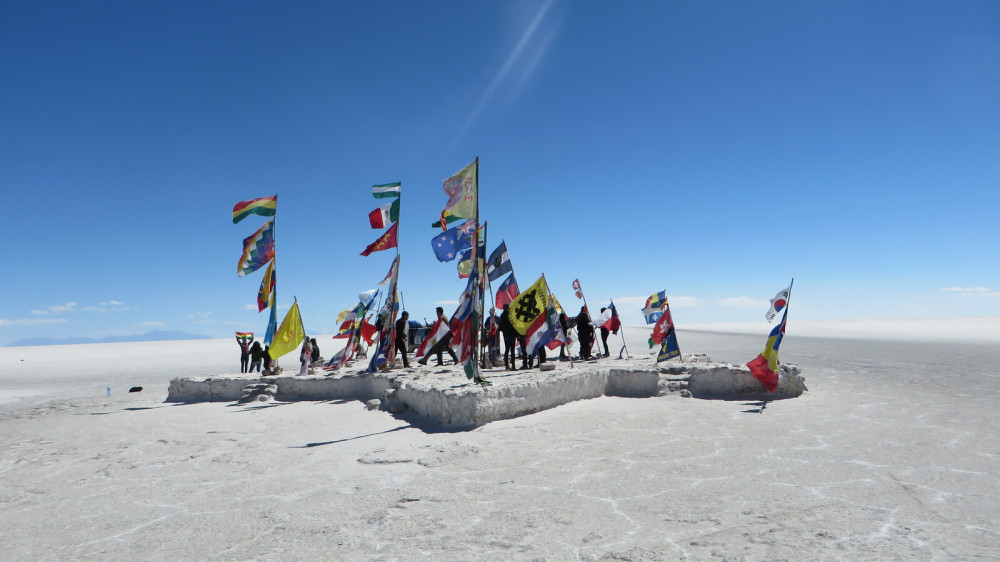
x,y
669,349
654,307
656,300
545,327
264,206
449,243
577,290
462,192
386,190
258,249
266,286
386,350
652,314
555,301
529,305
663,325
614,323
384,215
465,261
438,331
290,334
272,322
778,304
244,336
499,262
446,219
384,242
765,366
507,292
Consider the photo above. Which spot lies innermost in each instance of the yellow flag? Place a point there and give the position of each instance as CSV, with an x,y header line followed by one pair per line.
x,y
559,308
343,314
289,335
462,192
529,305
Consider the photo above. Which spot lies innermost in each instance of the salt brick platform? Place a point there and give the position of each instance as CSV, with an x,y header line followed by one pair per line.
x,y
445,397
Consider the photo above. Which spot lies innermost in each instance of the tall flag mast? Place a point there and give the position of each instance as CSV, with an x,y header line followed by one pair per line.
x,y
258,250
386,320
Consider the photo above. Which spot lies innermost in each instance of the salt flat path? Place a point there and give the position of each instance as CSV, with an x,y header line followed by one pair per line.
x,y
892,454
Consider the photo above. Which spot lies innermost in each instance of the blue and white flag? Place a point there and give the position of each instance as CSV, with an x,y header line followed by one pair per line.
x,y
449,243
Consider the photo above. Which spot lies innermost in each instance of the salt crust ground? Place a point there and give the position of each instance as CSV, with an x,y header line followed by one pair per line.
x,y
892,455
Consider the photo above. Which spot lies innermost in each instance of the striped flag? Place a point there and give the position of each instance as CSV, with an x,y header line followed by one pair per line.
x,y
508,291
386,190
258,249
765,366
264,206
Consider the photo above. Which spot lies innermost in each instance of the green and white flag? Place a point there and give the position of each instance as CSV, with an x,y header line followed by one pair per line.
x,y
386,190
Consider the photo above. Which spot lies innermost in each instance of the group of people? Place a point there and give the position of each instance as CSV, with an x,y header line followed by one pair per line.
x,y
253,356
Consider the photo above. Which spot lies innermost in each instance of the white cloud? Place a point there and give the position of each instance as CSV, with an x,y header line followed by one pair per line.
x,y
250,306
743,302
200,315
682,302
443,303
972,291
31,321
112,303
59,308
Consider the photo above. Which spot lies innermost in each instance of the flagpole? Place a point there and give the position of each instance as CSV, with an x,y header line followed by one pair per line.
x,y
476,326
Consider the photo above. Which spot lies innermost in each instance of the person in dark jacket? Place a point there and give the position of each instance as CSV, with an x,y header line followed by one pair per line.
x,y
565,322
244,354
256,354
315,350
509,338
403,336
585,331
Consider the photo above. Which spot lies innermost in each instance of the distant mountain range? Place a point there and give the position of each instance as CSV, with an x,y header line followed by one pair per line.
x,y
155,335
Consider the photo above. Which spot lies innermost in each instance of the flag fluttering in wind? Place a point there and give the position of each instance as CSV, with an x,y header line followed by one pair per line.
x,y
290,334
384,242
507,292
446,219
576,288
465,261
264,206
654,307
614,323
258,249
244,337
545,328
664,333
765,366
384,215
449,243
465,324
499,262
266,286
462,192
438,331
386,190
386,350
529,305
778,304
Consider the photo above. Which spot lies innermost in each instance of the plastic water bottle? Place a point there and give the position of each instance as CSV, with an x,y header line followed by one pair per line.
x,y
109,390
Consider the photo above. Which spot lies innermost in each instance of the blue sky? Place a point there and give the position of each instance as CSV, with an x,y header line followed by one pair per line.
x,y
712,149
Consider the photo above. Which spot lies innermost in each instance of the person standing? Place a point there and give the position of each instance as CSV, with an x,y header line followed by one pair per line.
x,y
403,336
256,354
602,321
509,338
305,358
244,354
585,332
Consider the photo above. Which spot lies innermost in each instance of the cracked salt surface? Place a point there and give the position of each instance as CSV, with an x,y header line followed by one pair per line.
x,y
874,462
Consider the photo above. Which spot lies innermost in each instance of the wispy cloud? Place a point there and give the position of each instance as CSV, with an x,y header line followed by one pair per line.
x,y
199,315
112,303
743,302
31,321
640,302
972,291
56,309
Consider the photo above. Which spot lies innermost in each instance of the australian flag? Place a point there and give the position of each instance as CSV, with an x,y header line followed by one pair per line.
x,y
449,243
